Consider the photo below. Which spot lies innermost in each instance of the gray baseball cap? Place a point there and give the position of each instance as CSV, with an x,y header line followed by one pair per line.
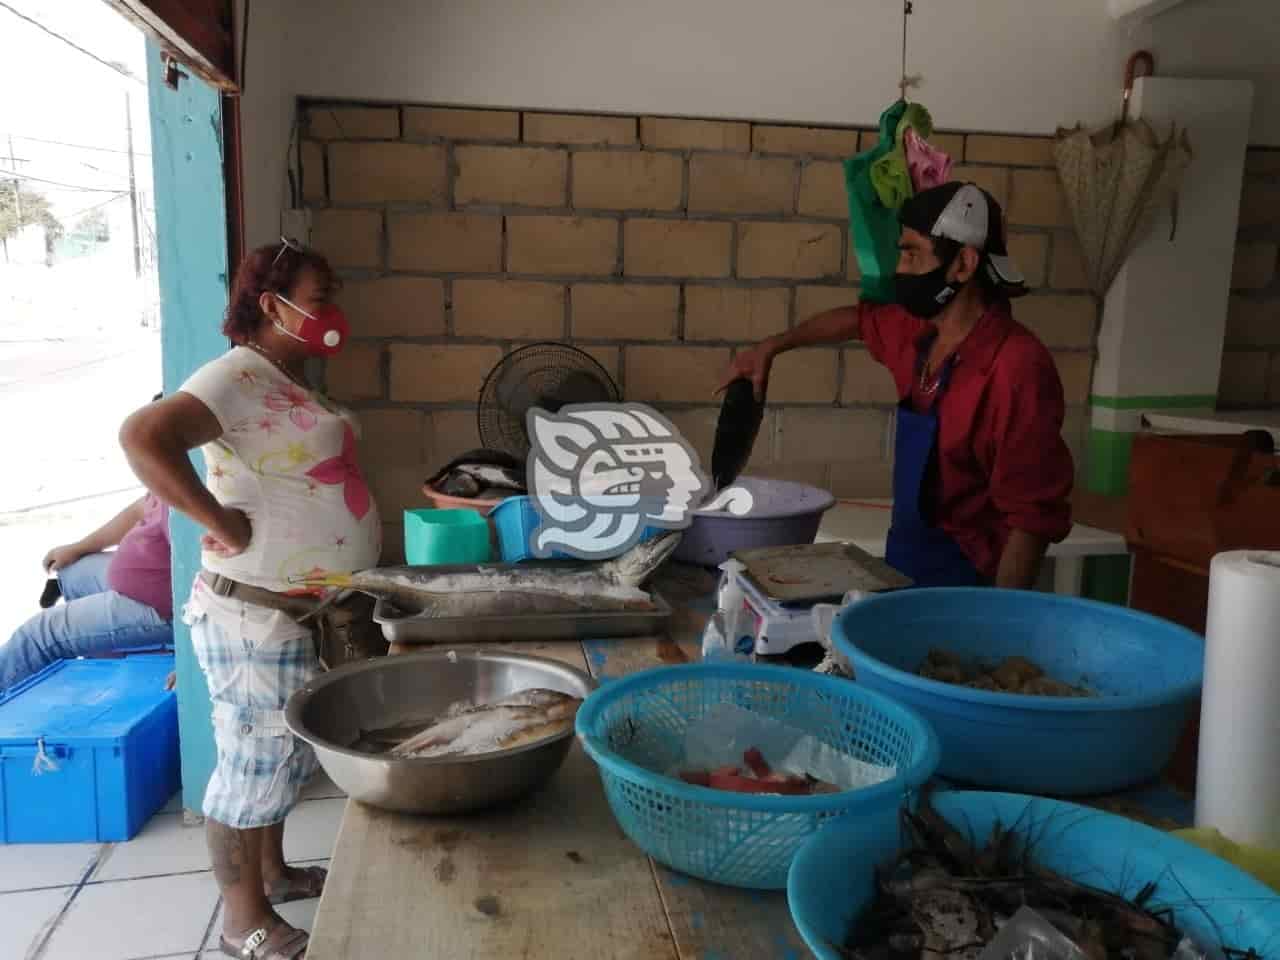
x,y
967,214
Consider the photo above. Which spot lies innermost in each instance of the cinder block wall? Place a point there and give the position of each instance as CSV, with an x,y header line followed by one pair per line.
x,y
1251,358
658,245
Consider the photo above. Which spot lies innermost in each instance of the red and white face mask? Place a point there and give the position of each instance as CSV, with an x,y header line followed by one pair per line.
x,y
324,332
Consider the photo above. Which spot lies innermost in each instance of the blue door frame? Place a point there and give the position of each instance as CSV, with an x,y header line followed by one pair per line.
x,y
187,161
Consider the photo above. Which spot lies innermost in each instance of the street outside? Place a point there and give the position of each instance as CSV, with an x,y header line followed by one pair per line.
x,y
79,293
65,390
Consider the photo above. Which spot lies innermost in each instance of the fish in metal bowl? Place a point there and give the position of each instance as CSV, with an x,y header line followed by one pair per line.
x,y
441,731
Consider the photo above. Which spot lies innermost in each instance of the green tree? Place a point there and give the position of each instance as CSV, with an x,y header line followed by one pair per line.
x,y
34,207
93,226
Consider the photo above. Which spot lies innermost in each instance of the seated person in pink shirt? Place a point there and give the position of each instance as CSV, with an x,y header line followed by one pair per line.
x,y
115,602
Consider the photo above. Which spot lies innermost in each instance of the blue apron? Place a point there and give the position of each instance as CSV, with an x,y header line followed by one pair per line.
x,y
915,546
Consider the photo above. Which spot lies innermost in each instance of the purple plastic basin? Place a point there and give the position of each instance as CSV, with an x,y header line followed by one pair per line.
x,y
784,514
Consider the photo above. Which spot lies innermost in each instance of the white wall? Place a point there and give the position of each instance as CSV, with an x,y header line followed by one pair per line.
x,y
1238,39
1165,315
266,116
1000,65
1012,66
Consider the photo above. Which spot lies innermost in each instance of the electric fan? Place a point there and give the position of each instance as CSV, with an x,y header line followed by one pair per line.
x,y
547,375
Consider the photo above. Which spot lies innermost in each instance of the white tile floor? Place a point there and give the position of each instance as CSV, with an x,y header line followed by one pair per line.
x,y
152,898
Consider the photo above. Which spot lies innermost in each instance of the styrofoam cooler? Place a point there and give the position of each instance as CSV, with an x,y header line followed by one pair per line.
x,y
88,750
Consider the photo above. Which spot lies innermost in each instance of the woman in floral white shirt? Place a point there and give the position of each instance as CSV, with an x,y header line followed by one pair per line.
x,y
285,496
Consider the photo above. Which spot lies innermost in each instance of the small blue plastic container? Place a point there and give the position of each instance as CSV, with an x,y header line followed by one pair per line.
x,y
88,750
1147,670
516,519
634,729
832,878
434,537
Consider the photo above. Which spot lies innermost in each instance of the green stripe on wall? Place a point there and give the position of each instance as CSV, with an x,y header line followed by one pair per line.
x,y
1108,463
1107,578
1189,401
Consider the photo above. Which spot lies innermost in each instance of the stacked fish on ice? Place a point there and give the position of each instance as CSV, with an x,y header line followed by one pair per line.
x,y
510,589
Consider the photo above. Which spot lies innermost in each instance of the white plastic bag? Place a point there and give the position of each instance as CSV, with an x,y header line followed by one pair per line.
x,y
1029,936
824,616
726,731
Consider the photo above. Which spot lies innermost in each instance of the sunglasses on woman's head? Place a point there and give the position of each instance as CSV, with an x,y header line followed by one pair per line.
x,y
286,243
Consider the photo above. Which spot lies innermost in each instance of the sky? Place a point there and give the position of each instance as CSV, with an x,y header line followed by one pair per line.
x,y
50,91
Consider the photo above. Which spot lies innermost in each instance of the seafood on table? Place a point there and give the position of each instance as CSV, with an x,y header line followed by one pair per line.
x,y
756,776
1010,675
480,472
503,590
469,729
943,896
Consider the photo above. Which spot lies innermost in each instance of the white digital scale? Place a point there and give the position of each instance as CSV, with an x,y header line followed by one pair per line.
x,y
800,577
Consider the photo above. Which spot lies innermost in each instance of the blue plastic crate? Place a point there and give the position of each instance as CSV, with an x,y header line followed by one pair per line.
x,y
515,519
88,750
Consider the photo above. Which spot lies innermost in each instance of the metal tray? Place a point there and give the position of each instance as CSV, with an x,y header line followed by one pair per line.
x,y
531,626
809,572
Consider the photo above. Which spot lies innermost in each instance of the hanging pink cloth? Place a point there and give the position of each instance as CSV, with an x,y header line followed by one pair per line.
x,y
929,166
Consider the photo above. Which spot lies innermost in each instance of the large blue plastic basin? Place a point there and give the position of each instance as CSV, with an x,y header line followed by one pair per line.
x,y
1148,671
832,877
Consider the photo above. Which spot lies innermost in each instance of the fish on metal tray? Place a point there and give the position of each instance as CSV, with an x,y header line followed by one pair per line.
x,y
514,721
497,590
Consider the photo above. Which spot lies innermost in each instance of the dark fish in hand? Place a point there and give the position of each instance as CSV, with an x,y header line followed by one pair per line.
x,y
736,431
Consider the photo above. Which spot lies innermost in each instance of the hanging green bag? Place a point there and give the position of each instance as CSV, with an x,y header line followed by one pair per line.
x,y
873,228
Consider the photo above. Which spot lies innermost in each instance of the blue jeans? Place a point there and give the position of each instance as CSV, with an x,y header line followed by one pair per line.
x,y
94,620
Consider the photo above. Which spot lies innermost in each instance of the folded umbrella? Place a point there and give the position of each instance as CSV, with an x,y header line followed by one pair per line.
x,y
1112,178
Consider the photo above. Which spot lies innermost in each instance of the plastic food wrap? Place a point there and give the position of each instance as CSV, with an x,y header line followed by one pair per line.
x,y
1029,936
727,732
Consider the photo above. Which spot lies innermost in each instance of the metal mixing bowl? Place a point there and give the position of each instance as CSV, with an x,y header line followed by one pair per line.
x,y
332,711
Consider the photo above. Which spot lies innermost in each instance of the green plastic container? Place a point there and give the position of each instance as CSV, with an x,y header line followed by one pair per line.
x,y
445,536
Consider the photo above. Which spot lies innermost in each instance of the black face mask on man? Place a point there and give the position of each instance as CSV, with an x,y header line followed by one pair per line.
x,y
925,294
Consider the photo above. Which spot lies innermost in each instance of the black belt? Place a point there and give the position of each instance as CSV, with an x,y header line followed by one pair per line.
x,y
297,607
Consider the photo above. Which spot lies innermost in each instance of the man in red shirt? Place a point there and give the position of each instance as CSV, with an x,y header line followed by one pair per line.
x,y
981,476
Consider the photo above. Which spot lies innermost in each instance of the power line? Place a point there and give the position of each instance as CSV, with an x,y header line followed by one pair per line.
x,y
90,209
71,43
78,146
59,183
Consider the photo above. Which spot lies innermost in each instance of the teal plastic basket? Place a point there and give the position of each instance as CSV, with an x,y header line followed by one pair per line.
x,y
833,878
634,729
434,537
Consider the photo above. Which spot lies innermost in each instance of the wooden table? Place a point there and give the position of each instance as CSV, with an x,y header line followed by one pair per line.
x,y
553,876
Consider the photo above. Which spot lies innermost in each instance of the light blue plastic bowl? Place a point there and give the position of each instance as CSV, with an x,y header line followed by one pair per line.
x,y
832,878
516,519
1148,670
